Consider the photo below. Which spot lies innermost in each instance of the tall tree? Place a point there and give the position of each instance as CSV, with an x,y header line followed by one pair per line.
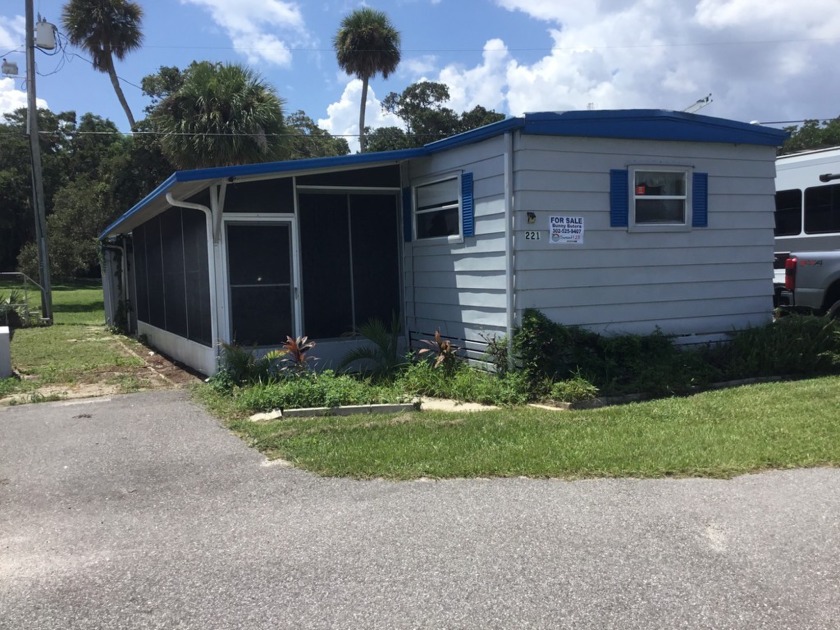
x,y
221,115
367,44
105,29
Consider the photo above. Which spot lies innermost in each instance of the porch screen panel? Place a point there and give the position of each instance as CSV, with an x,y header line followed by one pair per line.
x,y
325,260
375,228
174,287
263,196
140,275
197,276
154,271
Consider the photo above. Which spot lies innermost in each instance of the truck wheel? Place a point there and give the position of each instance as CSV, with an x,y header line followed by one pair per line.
x,y
834,310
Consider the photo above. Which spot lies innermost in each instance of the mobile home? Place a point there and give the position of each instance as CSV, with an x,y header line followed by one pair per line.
x,y
621,221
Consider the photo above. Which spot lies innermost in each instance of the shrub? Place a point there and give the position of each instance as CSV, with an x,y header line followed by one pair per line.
x,y
544,349
574,389
315,389
465,383
12,310
547,351
796,344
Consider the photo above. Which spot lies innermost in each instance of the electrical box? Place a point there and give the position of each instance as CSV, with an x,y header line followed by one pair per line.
x,y
9,68
45,35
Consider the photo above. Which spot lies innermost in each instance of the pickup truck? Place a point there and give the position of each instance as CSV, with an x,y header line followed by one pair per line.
x,y
808,281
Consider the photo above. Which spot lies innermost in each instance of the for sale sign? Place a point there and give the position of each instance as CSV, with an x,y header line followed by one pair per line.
x,y
564,230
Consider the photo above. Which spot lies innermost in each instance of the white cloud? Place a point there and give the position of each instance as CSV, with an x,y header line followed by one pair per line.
x,y
483,84
759,58
253,27
418,65
12,33
343,116
12,98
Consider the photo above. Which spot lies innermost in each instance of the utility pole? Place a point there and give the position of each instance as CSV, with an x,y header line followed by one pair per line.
x,y
37,177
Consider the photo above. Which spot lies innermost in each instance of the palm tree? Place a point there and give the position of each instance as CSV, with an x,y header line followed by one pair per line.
x,y
223,114
106,29
367,44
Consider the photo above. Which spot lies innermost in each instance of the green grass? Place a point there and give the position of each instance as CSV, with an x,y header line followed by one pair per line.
x,y
717,434
76,348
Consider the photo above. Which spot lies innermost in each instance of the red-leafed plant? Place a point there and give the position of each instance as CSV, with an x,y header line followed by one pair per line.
x,y
442,352
296,353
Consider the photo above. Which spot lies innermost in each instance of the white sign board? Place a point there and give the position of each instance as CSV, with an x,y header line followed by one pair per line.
x,y
565,230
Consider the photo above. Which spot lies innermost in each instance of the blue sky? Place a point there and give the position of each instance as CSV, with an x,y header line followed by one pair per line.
x,y
767,60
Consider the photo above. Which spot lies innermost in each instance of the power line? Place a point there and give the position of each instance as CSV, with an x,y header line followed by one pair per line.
x,y
519,49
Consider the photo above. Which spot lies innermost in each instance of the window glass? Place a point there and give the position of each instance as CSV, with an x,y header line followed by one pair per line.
x,y
788,212
437,209
822,209
659,197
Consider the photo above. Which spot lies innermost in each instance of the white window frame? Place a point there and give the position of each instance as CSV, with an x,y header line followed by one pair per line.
x,y
450,238
682,226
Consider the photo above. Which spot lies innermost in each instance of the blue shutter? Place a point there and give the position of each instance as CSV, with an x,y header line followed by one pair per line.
x,y
406,209
700,200
619,198
467,206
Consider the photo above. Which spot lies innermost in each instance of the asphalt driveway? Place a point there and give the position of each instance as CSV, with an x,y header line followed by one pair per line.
x,y
143,512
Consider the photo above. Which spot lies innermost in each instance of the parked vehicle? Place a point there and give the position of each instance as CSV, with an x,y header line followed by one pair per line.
x,y
812,281
807,262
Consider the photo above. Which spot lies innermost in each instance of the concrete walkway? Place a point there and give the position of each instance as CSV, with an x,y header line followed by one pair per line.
x,y
142,512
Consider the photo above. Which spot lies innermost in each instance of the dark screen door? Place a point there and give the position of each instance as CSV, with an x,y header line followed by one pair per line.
x,y
260,275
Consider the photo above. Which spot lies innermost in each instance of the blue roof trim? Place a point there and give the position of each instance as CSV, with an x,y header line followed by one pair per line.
x,y
651,124
145,201
638,124
476,135
290,166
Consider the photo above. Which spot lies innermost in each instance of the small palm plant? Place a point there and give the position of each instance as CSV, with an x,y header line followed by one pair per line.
x,y
381,357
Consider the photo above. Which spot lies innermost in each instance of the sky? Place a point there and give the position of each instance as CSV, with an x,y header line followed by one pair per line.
x,y
771,61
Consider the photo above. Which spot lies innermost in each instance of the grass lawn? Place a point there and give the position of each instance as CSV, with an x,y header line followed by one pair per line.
x,y
717,434
76,349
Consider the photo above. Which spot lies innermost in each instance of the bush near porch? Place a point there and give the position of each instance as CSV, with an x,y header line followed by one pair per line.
x,y
552,363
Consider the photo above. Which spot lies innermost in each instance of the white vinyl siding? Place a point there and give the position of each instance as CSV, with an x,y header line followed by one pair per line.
x,y
699,282
459,287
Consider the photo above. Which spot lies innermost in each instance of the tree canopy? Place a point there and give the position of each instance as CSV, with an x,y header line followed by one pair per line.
x,y
217,114
812,134
367,44
422,107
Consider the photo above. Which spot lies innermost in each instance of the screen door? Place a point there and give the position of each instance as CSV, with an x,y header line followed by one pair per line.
x,y
260,278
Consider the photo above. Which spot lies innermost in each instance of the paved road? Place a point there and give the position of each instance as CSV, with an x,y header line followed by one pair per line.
x,y
142,512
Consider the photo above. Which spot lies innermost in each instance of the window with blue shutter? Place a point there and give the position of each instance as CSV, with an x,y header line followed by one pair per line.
x,y
658,198
443,208
467,208
700,200
619,198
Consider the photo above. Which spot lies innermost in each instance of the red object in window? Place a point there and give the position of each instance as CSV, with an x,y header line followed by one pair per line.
x,y
641,189
790,273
